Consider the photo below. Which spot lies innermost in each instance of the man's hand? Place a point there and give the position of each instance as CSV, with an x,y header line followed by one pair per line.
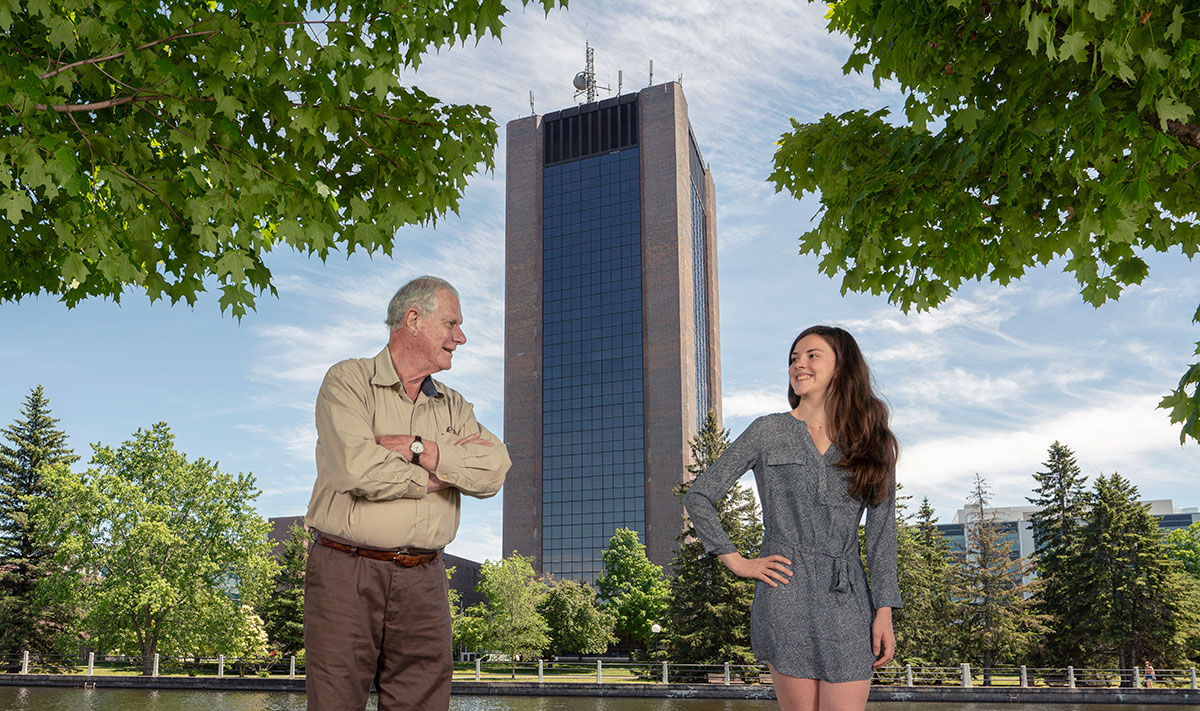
x,y
402,444
883,638
431,457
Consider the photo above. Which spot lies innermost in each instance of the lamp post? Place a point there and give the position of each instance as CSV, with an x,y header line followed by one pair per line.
x,y
655,629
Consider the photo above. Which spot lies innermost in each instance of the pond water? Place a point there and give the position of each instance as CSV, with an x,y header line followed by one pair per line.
x,y
17,698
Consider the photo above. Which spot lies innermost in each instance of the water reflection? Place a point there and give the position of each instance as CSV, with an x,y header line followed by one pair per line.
x,y
14,698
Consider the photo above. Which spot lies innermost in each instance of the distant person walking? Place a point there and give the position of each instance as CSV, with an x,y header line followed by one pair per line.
x,y
815,622
1148,673
395,450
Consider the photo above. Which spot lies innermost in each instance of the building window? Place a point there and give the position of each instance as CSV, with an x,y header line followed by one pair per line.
x,y
592,435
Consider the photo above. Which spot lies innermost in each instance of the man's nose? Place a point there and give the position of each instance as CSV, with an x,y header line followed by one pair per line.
x,y
459,337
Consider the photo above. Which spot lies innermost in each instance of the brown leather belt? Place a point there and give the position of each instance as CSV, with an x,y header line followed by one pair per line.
x,y
405,557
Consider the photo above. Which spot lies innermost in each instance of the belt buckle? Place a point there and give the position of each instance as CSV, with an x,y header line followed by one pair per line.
x,y
406,560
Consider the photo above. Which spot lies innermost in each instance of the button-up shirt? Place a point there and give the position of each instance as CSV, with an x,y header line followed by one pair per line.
x,y
369,495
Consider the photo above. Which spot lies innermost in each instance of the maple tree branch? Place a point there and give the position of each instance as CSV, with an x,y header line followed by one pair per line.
x,y
96,106
105,58
1187,133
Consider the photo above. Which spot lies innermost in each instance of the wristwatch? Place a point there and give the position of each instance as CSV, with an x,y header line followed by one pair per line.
x,y
416,448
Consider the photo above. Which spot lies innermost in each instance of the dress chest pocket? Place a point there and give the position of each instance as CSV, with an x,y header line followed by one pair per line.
x,y
791,471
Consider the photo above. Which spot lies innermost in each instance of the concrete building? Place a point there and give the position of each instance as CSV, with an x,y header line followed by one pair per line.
x,y
1014,522
612,338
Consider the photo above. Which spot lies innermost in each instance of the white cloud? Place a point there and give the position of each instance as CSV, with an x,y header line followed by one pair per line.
x,y
754,402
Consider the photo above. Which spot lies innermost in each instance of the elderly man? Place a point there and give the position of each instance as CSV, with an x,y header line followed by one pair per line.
x,y
395,450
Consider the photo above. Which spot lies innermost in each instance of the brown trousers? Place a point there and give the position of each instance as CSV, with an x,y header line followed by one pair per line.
x,y
371,620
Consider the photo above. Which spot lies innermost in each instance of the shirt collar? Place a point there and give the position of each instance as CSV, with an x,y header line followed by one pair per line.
x,y
385,375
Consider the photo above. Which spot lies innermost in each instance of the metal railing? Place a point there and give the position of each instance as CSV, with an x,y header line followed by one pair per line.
x,y
602,672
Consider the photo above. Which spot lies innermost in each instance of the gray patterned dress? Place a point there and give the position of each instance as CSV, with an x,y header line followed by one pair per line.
x,y
818,626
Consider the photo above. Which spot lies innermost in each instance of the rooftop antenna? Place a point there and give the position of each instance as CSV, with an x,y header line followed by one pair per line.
x,y
531,109
585,81
620,80
651,73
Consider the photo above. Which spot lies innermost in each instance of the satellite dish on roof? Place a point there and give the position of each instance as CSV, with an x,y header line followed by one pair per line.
x,y
581,81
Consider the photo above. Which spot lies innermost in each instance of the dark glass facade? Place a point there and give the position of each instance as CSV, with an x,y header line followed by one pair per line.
x,y
592,419
699,286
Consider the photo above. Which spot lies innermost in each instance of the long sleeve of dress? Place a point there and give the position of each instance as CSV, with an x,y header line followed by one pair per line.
x,y
708,489
880,537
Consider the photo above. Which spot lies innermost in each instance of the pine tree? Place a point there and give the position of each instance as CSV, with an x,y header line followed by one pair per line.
x,y
708,613
30,444
991,605
1140,604
283,610
1060,498
924,565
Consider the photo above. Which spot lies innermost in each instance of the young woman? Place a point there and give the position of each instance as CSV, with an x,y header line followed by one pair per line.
x,y
816,622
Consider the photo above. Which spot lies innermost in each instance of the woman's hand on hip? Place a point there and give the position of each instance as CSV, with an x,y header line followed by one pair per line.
x,y
771,569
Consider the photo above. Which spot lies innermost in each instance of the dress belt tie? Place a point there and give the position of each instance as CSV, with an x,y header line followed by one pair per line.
x,y
842,577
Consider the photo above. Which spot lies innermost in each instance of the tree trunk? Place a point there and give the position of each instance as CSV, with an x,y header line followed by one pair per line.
x,y
987,667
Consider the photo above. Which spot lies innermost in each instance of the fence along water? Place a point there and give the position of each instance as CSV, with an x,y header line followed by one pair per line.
x,y
608,672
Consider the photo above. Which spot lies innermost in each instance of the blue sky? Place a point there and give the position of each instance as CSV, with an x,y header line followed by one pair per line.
x,y
984,384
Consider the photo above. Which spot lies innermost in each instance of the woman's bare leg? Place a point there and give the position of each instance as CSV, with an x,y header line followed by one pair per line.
x,y
793,693
845,696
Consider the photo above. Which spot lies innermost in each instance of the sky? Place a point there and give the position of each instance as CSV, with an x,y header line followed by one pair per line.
x,y
984,384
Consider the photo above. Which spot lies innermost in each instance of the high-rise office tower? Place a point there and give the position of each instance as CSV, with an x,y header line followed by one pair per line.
x,y
611,322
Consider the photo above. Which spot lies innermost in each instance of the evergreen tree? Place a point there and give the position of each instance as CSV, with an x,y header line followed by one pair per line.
x,y
577,625
283,610
631,587
1140,604
992,609
708,611
30,444
924,565
1060,498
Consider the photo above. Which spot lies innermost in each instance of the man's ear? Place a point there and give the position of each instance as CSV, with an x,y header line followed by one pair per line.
x,y
412,320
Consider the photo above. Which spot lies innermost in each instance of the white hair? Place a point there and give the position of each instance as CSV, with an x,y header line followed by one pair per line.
x,y
421,294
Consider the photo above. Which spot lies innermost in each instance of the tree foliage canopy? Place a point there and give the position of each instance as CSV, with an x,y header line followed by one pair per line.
x,y
510,620
631,587
154,548
163,146
1036,131
575,623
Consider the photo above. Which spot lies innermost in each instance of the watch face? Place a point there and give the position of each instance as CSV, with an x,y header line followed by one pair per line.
x,y
417,447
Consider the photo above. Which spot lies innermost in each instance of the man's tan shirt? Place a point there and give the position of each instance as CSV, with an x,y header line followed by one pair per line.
x,y
372,496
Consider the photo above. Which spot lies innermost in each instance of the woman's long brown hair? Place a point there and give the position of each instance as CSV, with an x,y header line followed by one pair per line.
x,y
858,418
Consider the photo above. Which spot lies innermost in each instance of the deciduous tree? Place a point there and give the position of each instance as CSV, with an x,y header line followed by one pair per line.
x,y
167,147
152,546
32,443
1033,133
631,587
511,622
576,623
